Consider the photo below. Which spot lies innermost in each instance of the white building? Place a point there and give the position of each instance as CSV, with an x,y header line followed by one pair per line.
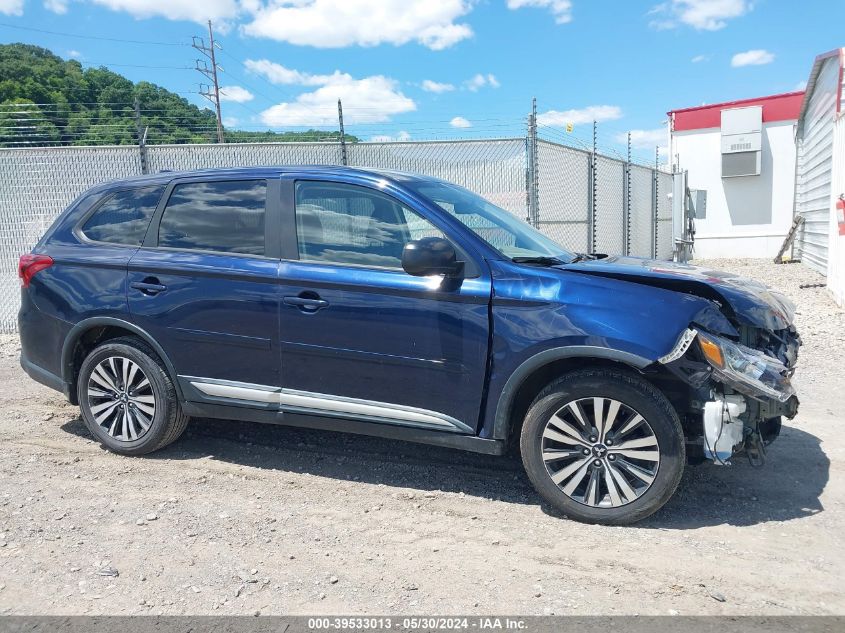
x,y
820,172
743,154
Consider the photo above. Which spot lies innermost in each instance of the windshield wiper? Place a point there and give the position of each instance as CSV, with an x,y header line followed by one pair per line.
x,y
542,260
580,257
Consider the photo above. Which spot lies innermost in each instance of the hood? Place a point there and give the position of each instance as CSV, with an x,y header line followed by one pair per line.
x,y
749,301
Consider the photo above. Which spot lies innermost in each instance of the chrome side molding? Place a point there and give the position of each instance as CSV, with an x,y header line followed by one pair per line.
x,y
295,401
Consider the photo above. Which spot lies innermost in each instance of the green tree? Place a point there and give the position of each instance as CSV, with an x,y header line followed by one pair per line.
x,y
46,100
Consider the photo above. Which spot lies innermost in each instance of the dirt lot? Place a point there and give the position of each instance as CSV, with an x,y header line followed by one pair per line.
x,y
238,518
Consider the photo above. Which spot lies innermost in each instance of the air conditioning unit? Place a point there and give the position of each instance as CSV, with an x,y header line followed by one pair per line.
x,y
742,141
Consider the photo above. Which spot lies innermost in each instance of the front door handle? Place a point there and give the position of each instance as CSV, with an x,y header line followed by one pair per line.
x,y
306,304
148,288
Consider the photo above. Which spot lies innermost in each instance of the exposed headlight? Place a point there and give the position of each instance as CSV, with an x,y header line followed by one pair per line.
x,y
749,370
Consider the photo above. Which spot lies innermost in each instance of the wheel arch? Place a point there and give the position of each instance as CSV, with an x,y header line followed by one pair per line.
x,y
89,333
536,372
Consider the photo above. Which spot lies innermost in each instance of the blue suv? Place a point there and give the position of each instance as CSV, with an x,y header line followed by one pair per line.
x,y
402,306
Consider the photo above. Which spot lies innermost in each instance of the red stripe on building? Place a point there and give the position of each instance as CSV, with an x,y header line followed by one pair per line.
x,y
783,107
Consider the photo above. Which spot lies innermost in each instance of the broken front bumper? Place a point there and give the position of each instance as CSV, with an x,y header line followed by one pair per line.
x,y
748,371
741,393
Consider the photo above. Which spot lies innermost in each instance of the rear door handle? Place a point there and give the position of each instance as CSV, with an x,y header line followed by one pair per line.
x,y
148,288
307,304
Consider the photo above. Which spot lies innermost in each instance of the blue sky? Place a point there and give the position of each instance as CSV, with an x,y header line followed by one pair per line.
x,y
426,69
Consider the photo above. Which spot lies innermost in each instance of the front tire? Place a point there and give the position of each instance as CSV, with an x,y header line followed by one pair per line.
x,y
128,401
603,446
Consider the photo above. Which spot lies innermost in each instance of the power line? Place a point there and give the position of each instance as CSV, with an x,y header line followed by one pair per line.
x,y
91,37
87,63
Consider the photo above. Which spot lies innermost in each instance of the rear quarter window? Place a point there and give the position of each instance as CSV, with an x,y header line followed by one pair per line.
x,y
123,217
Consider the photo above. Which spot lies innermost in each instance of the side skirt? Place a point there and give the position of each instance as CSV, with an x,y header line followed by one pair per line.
x,y
337,423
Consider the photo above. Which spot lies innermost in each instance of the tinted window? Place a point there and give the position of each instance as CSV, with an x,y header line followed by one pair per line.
x,y
124,217
225,216
354,225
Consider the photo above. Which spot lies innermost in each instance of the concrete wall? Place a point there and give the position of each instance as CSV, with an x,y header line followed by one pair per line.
x,y
747,216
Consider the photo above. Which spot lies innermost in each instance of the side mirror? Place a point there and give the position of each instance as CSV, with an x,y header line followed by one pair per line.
x,y
431,256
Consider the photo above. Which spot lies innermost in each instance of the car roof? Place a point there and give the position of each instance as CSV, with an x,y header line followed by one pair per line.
x,y
165,176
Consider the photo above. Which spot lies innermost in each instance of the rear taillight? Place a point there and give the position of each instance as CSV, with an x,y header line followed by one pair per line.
x,y
30,264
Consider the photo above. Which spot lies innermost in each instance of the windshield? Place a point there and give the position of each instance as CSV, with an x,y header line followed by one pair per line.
x,y
509,235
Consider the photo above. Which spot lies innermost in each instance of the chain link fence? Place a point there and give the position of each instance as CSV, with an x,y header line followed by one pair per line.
x,y
564,195
610,206
665,241
626,206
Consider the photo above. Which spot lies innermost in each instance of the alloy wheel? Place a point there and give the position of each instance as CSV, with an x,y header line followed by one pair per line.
x,y
121,398
600,452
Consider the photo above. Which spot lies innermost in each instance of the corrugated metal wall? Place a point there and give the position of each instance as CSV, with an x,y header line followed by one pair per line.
x,y
814,168
836,254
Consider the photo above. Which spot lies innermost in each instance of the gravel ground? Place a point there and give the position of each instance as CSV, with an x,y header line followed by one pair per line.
x,y
240,518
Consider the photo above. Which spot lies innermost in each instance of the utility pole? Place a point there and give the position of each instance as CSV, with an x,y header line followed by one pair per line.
x,y
342,134
212,93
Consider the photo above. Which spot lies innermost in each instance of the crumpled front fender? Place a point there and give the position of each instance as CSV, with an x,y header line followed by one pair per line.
x,y
541,315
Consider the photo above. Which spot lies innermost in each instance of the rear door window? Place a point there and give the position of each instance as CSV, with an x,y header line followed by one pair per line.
x,y
124,216
225,216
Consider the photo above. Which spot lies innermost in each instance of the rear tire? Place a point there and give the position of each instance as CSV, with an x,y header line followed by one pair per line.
x,y
603,446
128,401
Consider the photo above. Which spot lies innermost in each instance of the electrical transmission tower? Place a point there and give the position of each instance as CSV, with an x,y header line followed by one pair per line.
x,y
210,92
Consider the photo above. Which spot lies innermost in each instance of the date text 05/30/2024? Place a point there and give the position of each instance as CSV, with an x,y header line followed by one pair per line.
x,y
418,623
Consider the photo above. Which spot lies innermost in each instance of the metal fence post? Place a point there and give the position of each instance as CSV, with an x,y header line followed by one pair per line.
x,y
535,182
343,160
592,183
528,172
626,188
142,138
532,181
655,188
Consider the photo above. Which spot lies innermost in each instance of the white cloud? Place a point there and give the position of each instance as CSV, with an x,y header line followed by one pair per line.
x,y
338,23
278,74
480,81
702,15
589,114
56,6
369,100
230,121
386,138
460,122
756,57
236,94
560,9
436,87
74,54
801,85
700,58
645,139
11,7
194,10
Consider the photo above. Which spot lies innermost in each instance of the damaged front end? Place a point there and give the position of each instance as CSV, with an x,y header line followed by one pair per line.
x,y
739,393
728,375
